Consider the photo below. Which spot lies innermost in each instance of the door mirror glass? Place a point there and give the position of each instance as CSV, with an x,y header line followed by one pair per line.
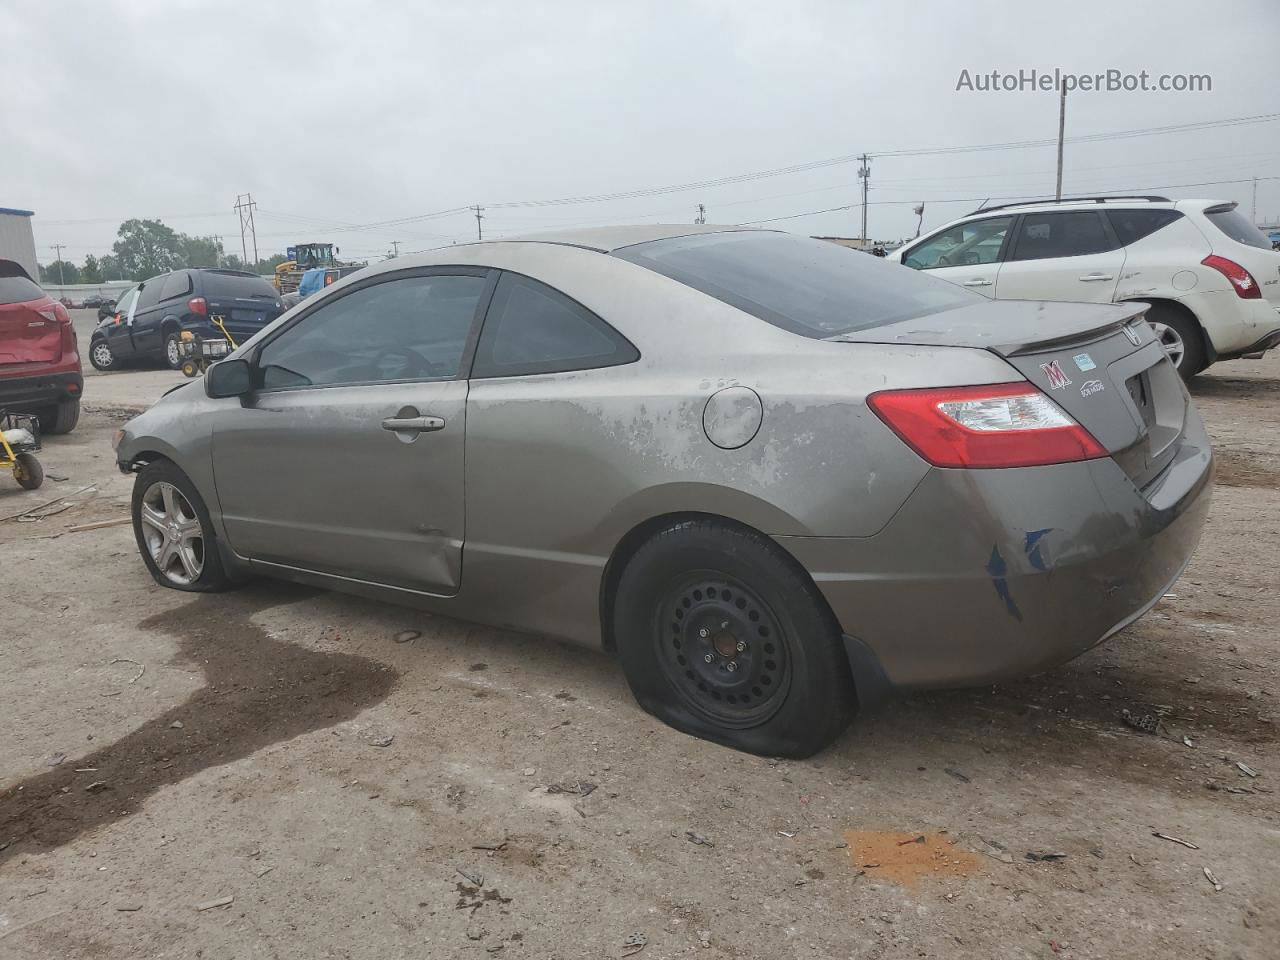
x,y
228,378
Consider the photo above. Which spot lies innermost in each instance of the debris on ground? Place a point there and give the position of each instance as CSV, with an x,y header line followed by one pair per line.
x,y
96,786
141,669
210,904
704,938
997,851
529,771
56,759
916,839
582,788
1145,723
783,833
1244,768
1186,843
176,725
129,908
475,932
1035,857
405,636
698,839
953,772
476,879
379,739
633,943
1208,875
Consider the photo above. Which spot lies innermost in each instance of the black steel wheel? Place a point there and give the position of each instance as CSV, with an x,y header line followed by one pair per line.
x,y
723,635
723,650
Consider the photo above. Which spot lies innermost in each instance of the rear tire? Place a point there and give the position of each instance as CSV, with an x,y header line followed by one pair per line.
x,y
60,419
1182,339
174,531
172,350
27,471
702,595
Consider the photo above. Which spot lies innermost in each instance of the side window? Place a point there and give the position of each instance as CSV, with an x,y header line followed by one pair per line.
x,y
175,285
410,328
126,301
966,244
1132,225
149,294
531,328
1045,235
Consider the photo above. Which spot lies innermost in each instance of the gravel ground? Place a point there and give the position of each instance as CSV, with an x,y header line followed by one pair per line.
x,y
277,772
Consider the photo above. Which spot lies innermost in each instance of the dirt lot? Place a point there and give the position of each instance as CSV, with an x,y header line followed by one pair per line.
x,y
343,791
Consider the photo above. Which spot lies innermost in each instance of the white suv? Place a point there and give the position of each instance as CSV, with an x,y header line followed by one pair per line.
x,y
1211,277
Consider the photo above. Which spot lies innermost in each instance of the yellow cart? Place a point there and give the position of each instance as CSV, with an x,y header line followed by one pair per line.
x,y
19,441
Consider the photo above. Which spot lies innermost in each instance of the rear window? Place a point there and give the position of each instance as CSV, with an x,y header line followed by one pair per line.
x,y
220,285
18,290
1132,225
1237,226
811,287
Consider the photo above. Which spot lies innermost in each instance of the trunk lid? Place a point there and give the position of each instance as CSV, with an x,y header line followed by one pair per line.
x,y
1100,363
245,316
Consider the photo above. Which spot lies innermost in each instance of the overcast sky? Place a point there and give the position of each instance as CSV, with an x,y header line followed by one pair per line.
x,y
353,113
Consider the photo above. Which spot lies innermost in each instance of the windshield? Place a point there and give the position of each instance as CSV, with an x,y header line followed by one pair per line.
x,y
811,287
1238,227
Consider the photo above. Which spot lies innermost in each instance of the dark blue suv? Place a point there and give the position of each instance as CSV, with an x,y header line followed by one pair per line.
x,y
150,318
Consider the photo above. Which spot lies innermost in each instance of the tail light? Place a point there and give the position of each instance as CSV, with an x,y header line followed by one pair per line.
x,y
198,305
1246,287
985,427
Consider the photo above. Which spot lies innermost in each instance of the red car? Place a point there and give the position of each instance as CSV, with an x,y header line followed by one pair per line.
x,y
40,370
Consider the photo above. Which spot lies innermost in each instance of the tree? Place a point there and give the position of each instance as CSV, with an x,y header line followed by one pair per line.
x,y
147,247
110,268
201,251
91,272
59,272
232,262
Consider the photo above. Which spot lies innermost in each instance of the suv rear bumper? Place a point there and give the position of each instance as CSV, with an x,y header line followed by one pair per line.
x,y
40,391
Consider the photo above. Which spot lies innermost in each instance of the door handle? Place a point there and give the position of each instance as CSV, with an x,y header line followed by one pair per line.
x,y
1097,276
977,282
413,424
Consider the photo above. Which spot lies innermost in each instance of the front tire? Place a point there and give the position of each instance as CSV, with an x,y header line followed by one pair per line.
x,y
101,357
723,636
174,531
60,419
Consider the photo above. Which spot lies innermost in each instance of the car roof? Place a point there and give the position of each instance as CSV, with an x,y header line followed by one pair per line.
x,y
608,239
1093,203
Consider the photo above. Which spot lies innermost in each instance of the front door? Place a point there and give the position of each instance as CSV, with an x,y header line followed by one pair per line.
x,y
1061,256
967,254
119,329
348,459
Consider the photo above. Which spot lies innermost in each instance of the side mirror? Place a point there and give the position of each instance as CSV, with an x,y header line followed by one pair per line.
x,y
228,378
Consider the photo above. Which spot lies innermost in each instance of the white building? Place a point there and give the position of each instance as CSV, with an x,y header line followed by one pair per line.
x,y
17,242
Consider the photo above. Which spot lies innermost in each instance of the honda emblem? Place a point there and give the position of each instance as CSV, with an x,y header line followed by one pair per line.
x,y
1057,378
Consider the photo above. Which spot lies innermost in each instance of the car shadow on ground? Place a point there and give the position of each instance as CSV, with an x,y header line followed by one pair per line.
x,y
1231,388
257,691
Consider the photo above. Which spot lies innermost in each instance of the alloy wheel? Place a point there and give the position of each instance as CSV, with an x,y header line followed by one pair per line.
x,y
722,648
173,534
172,352
102,356
1171,340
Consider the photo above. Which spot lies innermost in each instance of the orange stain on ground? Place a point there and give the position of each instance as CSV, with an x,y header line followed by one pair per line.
x,y
908,858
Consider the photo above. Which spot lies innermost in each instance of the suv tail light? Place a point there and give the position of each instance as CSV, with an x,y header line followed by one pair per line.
x,y
1246,287
985,427
198,305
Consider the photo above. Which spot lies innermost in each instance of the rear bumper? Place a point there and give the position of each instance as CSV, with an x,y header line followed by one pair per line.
x,y
985,575
1257,348
38,391
1232,323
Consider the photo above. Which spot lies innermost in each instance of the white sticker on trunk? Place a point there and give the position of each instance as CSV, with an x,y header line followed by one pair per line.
x,y
1090,387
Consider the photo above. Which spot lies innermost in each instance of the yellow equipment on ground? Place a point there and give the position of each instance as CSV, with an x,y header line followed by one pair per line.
x,y
199,352
19,440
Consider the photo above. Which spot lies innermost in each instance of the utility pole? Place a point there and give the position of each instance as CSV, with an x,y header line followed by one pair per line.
x,y
864,174
395,248
1253,207
244,208
217,250
702,214
479,211
1062,126
919,212
58,247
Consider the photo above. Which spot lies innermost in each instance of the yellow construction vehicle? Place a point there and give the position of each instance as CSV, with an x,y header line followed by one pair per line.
x,y
308,256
